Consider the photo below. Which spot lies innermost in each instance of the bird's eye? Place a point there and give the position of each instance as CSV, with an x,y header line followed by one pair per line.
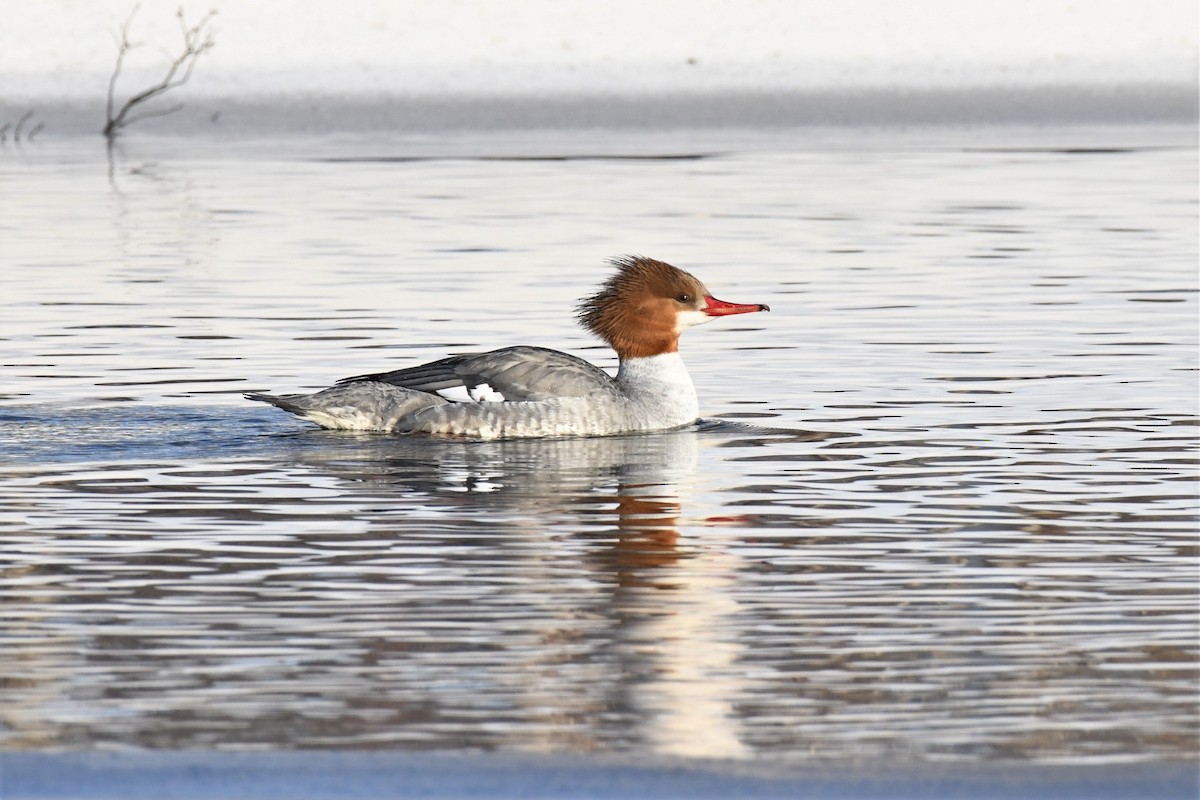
x,y
684,298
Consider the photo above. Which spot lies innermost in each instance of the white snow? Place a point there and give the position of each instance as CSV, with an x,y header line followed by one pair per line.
x,y
63,47
56,51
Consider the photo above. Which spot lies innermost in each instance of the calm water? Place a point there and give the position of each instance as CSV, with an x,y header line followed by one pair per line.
x,y
942,506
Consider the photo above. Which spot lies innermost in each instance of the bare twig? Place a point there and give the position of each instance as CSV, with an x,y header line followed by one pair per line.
x,y
161,112
123,47
21,124
197,40
18,130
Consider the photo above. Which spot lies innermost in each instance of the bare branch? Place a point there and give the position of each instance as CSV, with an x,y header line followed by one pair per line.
x,y
161,112
197,40
123,47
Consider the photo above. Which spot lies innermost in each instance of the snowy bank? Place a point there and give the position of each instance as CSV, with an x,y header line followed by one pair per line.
x,y
431,64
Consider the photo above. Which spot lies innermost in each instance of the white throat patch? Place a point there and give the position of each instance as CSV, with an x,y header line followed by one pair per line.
x,y
690,319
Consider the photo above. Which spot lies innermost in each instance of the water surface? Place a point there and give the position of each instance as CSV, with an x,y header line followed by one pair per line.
x,y
942,504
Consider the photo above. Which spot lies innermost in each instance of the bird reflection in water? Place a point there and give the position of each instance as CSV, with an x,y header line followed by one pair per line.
x,y
602,545
648,535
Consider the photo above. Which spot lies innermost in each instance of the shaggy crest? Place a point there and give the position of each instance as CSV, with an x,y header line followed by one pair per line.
x,y
622,311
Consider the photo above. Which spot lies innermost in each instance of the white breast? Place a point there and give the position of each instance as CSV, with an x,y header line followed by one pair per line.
x,y
659,391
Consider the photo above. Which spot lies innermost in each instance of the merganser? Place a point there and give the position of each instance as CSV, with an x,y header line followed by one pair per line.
x,y
522,392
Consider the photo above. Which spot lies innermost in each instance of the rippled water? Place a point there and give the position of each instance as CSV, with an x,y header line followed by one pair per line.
x,y
942,505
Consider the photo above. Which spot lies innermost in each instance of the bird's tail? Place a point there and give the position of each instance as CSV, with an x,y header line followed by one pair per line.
x,y
358,406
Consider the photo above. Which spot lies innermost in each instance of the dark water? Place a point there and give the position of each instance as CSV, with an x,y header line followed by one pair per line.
x,y
943,504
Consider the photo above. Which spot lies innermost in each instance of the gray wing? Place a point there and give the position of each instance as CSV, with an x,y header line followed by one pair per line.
x,y
511,373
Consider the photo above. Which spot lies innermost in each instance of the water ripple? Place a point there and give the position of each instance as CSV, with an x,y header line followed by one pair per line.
x,y
942,505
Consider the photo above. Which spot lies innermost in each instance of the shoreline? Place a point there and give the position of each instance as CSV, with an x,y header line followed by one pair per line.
x,y
597,144
301,114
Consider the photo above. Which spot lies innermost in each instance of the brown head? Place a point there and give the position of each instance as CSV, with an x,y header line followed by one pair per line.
x,y
642,308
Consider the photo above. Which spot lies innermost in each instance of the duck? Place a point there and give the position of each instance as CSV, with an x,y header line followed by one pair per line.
x,y
525,391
